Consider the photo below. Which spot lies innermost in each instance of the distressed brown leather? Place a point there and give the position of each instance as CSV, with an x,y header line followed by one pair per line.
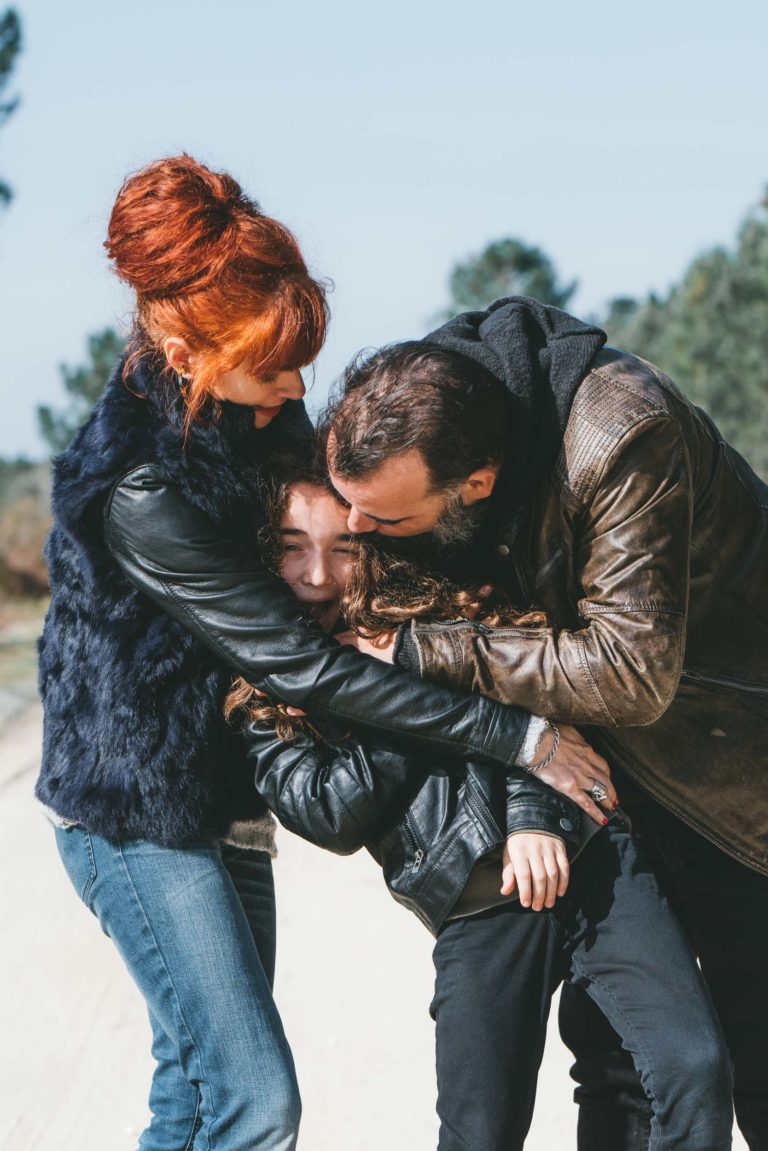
x,y
647,547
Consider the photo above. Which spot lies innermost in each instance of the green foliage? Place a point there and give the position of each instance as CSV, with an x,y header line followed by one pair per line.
x,y
10,46
710,333
84,386
505,268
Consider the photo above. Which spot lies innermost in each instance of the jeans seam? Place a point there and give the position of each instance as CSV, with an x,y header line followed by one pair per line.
x,y
159,952
92,877
630,1030
193,1130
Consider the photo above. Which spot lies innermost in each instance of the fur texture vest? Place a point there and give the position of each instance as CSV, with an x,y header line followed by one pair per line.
x,y
135,744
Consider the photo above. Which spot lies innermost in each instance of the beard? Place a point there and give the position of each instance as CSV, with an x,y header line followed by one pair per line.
x,y
444,546
457,523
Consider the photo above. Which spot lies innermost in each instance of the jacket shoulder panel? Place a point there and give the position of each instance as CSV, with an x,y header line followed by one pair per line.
x,y
620,393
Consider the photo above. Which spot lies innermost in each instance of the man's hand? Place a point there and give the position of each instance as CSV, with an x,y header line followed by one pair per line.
x,y
381,647
537,864
576,770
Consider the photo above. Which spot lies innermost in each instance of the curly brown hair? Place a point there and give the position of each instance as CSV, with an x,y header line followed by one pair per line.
x,y
245,704
386,591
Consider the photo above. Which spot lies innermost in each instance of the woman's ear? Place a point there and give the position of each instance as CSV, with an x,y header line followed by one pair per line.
x,y
177,354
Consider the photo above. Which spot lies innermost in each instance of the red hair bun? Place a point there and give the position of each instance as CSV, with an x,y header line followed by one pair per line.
x,y
175,225
209,267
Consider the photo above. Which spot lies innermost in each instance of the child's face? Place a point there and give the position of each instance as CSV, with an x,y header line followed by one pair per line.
x,y
316,550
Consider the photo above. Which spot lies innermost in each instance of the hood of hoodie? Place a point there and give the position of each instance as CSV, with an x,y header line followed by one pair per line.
x,y
541,354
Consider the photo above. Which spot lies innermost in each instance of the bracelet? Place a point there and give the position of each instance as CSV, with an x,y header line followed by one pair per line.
x,y
545,762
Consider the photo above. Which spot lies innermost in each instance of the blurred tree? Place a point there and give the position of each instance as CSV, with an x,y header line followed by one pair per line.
x,y
10,46
710,333
25,519
505,268
84,385
9,469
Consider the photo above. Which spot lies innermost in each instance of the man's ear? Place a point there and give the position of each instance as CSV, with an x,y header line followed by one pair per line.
x,y
480,484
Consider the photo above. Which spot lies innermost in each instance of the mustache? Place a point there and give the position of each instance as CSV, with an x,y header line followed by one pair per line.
x,y
440,548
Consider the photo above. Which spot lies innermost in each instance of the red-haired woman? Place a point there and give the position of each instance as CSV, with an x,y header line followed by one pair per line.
x,y
155,810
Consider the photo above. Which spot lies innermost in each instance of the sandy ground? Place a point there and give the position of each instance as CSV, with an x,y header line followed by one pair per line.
x,y
354,982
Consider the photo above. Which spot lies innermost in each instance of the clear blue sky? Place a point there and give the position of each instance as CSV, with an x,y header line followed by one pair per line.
x,y
393,138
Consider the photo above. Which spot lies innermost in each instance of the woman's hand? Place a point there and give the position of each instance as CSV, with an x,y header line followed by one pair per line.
x,y
380,647
537,864
576,770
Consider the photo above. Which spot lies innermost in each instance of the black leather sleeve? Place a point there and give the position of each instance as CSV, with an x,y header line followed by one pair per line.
x,y
175,554
342,795
338,795
533,806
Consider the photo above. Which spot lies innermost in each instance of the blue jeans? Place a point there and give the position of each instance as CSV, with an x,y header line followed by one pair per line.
x,y
614,935
196,930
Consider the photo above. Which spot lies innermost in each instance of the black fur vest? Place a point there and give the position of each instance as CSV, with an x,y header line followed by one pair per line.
x,y
135,745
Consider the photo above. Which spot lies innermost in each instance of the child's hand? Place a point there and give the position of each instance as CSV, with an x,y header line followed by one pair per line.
x,y
537,864
296,712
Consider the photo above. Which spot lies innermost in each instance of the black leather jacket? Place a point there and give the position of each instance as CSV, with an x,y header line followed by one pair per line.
x,y
426,825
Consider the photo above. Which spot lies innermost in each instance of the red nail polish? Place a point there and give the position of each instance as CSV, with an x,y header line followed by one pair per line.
x,y
605,821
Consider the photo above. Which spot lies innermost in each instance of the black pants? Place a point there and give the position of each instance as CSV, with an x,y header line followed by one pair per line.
x,y
613,934
724,908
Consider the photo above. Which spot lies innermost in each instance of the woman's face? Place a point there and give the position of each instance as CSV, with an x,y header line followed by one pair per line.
x,y
265,396
317,550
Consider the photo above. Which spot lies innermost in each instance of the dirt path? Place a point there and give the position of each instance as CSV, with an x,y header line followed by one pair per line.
x,y
354,982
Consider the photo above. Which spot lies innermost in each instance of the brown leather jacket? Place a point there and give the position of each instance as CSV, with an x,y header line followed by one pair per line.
x,y
647,547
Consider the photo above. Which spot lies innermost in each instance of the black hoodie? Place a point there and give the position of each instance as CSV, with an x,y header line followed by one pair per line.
x,y
541,355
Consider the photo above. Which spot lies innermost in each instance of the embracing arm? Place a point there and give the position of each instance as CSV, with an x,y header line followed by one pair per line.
x,y
341,795
175,554
632,553
336,795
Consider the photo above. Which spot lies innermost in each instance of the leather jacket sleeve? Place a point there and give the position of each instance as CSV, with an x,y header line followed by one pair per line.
x,y
337,795
176,555
630,563
342,795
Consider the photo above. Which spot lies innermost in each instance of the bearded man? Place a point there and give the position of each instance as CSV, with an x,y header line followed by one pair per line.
x,y
519,449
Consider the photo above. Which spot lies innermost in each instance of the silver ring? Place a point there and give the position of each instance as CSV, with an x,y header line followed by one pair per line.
x,y
598,792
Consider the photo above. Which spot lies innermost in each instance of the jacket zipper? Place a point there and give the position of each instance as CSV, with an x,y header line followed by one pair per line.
x,y
522,577
475,804
411,834
549,566
691,676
